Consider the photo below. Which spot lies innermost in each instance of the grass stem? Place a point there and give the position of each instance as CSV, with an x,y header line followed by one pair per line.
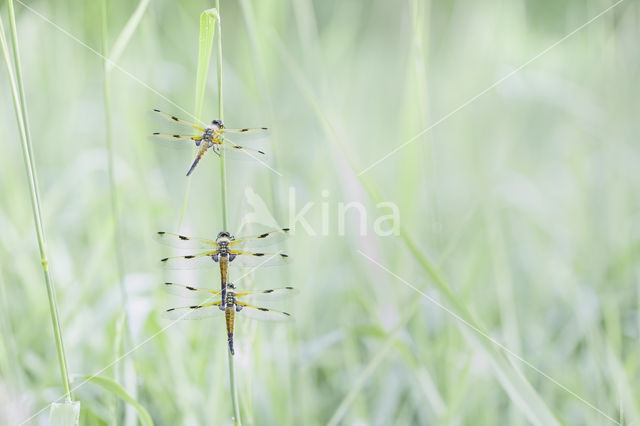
x,y
17,91
223,169
223,206
128,366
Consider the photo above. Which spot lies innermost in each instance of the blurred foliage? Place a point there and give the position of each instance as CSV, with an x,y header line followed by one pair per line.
x,y
527,198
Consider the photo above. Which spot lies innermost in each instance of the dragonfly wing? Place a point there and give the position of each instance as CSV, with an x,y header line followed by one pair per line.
x,y
261,314
194,311
174,119
187,290
241,153
175,137
271,294
259,259
259,130
183,241
174,141
258,241
192,261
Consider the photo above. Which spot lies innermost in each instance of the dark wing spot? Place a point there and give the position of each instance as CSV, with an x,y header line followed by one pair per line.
x,y
263,128
168,283
176,136
284,255
156,133
287,314
170,309
268,291
164,260
264,309
264,235
190,288
285,229
244,130
189,256
237,147
156,110
161,232
195,307
261,152
257,254
173,117
182,237
289,288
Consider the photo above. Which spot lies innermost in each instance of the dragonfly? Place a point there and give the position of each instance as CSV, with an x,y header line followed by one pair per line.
x,y
231,304
223,250
211,136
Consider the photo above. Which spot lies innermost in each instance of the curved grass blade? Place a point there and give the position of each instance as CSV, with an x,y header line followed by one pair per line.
x,y
115,389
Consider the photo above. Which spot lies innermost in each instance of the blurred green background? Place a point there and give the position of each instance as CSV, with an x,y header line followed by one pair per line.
x,y
527,200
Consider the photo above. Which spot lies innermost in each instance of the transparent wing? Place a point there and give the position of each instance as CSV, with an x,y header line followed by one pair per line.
x,y
192,261
266,295
194,312
258,259
260,130
241,153
182,241
174,119
170,140
258,241
187,290
261,314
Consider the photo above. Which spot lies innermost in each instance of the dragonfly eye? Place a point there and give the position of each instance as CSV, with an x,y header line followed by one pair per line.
x,y
218,123
224,234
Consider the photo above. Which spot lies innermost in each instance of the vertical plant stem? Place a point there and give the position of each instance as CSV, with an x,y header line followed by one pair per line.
x,y
121,371
110,163
223,169
17,91
223,206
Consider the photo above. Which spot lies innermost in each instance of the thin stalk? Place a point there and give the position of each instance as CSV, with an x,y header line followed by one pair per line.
x,y
223,206
17,91
223,168
121,375
110,162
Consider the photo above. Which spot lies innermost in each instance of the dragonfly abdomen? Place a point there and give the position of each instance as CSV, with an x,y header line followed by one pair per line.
x,y
229,315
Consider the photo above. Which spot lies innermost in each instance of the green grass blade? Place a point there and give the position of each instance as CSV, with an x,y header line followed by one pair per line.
x,y
125,373
125,35
208,20
205,43
20,110
115,389
65,414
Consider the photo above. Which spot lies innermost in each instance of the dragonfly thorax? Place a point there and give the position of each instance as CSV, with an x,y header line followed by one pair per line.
x,y
209,133
223,240
229,296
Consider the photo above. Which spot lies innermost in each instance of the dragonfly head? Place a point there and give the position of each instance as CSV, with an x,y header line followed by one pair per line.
x,y
224,236
218,124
